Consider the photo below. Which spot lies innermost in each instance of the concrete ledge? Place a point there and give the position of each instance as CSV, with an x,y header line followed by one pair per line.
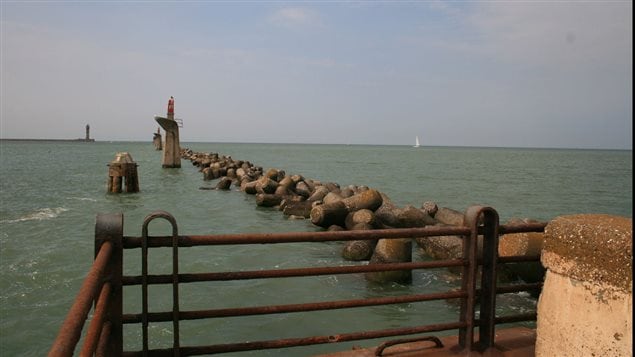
x,y
591,247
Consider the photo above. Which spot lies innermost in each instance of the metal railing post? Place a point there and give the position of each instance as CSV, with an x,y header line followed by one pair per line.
x,y
468,277
476,216
109,228
487,316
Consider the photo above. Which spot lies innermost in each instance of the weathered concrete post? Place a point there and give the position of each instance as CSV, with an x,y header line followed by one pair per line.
x,y
120,169
586,304
157,140
172,149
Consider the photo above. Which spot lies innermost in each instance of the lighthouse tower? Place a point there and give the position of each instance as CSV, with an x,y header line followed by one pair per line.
x,y
172,147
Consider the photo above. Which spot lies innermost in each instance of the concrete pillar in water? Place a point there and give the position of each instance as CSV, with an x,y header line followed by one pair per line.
x,y
122,171
172,147
87,132
158,145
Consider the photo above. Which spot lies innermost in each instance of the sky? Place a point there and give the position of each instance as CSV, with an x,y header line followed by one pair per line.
x,y
555,74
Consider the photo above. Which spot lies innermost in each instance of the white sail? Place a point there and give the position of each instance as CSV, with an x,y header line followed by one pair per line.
x,y
416,142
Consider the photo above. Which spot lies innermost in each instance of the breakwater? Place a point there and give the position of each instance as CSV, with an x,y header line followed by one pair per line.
x,y
357,207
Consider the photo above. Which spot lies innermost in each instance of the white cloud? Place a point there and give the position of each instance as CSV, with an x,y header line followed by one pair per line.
x,y
295,16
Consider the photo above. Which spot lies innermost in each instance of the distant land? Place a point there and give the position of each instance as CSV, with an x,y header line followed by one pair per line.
x,y
73,140
85,139
423,147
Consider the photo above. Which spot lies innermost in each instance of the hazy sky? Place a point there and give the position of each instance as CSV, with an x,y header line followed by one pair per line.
x,y
477,73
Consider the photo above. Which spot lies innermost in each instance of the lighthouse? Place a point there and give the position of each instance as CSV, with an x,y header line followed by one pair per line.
x,y
86,139
172,147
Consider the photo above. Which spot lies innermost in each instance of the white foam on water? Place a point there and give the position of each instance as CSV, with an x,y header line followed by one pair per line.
x,y
39,215
82,199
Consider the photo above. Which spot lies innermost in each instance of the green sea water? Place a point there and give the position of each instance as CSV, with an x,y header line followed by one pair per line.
x,y
51,192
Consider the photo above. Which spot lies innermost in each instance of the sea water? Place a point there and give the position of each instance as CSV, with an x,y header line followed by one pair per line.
x,y
51,192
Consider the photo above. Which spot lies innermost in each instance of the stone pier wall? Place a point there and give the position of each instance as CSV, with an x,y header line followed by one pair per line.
x,y
585,308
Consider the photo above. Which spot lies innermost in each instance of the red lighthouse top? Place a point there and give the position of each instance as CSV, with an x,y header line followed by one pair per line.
x,y
171,108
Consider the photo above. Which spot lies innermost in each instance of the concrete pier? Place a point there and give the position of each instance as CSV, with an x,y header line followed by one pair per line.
x,y
122,171
157,140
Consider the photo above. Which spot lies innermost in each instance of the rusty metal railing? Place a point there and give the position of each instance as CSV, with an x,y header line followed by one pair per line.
x,y
104,285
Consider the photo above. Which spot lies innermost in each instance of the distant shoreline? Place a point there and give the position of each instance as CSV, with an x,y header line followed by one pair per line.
x,y
67,140
422,148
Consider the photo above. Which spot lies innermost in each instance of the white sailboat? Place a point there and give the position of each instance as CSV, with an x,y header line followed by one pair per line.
x,y
416,145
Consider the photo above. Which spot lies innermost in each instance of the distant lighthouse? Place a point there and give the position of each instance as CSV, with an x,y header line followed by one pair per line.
x,y
86,139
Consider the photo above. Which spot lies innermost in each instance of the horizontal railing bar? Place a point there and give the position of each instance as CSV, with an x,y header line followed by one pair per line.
x,y
295,342
314,271
279,309
513,288
71,329
295,237
530,316
519,258
306,341
518,287
286,273
536,227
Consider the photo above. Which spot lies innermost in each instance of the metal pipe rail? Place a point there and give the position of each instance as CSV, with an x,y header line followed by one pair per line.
x,y
104,285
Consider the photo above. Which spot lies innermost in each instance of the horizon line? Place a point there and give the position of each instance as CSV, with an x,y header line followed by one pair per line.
x,y
344,144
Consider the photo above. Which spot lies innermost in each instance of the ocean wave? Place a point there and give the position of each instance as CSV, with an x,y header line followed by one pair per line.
x,y
82,199
39,215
